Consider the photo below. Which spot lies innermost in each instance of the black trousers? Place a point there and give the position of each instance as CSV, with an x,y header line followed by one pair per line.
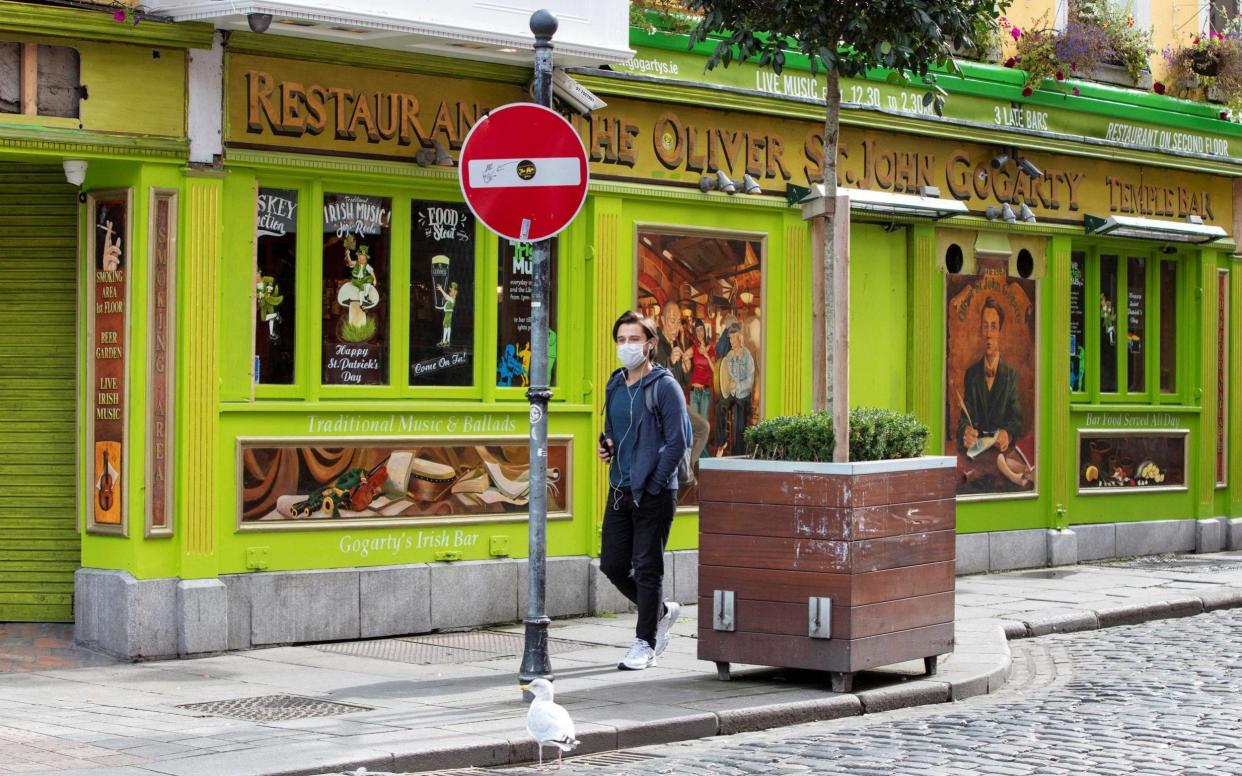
x,y
632,551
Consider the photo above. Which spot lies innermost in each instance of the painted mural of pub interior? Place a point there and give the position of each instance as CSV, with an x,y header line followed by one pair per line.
x,y
337,352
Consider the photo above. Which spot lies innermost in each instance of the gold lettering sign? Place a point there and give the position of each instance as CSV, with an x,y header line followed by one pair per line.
x,y
312,107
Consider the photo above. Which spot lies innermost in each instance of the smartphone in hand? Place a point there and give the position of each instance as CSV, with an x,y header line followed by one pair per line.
x,y
606,444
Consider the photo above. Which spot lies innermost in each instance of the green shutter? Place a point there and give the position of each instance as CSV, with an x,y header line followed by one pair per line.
x,y
39,542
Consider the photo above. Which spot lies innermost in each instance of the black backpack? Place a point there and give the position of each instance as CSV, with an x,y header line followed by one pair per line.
x,y
685,474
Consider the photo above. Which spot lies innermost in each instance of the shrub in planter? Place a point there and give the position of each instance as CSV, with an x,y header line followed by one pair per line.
x,y
875,435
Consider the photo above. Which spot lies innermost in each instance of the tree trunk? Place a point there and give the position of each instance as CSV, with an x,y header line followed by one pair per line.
x,y
834,304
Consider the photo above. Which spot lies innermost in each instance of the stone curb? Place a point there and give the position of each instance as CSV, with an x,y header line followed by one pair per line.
x,y
984,674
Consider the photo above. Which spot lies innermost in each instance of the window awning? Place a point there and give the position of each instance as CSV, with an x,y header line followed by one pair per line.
x,y
1192,230
925,205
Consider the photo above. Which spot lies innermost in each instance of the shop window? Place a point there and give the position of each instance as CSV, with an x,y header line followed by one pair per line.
x,y
276,241
704,293
1136,309
1108,324
39,80
1168,324
1136,319
515,286
357,233
442,294
953,259
1078,322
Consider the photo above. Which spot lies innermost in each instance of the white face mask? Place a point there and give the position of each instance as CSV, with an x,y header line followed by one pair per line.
x,y
631,355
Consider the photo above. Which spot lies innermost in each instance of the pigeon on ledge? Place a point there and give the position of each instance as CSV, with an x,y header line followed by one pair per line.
x,y
548,722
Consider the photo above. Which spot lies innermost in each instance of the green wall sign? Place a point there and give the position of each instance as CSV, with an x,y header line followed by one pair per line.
x,y
972,100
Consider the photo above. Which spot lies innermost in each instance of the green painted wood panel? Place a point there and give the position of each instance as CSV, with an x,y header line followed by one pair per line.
x,y
39,542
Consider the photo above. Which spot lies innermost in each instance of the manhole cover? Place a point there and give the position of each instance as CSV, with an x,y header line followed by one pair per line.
x,y
274,708
466,647
1179,563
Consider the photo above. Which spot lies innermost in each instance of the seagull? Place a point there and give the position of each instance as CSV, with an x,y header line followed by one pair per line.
x,y
548,722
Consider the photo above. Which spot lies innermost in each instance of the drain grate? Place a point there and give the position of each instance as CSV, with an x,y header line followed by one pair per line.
x,y
274,708
465,647
610,759
1179,563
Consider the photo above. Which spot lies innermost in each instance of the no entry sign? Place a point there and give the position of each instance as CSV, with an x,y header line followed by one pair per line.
x,y
523,171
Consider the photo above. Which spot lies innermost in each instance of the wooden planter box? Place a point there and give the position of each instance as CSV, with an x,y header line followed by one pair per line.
x,y
830,567
1118,76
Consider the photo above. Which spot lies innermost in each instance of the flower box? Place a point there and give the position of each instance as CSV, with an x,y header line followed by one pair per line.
x,y
823,566
1118,76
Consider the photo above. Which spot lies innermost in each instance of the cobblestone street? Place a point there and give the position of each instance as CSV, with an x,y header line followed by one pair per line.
x,y
1160,698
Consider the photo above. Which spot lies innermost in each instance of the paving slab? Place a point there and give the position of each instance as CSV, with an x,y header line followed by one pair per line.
x,y
120,719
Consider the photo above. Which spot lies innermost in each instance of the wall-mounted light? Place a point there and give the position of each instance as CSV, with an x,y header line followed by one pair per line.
x,y
750,185
1192,230
926,204
746,297
1025,214
259,22
999,161
721,182
75,171
437,155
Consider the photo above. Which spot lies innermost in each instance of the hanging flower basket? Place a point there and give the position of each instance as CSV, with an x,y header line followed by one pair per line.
x,y
1206,63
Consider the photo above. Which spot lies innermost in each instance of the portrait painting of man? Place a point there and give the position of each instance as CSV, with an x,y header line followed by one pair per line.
x,y
990,389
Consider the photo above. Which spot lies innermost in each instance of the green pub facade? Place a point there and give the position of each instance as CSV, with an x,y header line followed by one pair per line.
x,y
280,397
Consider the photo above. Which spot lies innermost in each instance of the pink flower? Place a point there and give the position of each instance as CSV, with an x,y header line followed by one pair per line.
x,y
1158,87
119,14
1027,92
1060,76
1224,115
1010,62
1076,92
1074,66
1016,33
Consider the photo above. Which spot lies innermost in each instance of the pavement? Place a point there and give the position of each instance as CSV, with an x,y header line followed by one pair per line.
x,y
445,701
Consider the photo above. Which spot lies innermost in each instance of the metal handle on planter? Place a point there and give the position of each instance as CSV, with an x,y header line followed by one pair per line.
x,y
819,616
722,610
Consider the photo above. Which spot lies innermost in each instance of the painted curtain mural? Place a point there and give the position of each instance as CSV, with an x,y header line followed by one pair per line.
x,y
704,294
400,479
990,373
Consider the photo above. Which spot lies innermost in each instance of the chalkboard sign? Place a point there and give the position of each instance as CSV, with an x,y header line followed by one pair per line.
x,y
441,294
356,244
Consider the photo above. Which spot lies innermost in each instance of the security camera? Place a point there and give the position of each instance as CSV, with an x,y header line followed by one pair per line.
x,y
1025,165
259,22
574,95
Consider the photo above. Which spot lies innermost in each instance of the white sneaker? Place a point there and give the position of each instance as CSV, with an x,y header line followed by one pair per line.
x,y
664,628
640,656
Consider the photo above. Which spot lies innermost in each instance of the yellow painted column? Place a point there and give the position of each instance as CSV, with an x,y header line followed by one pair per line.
x,y
923,355
796,302
1235,388
1207,384
1057,451
200,457
613,295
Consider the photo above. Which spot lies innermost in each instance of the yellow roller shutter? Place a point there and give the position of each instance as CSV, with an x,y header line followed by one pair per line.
x,y
39,543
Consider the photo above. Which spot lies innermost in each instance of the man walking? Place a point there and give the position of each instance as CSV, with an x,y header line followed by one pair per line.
x,y
643,441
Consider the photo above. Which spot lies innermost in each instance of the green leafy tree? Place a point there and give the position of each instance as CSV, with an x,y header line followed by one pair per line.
x,y
843,37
